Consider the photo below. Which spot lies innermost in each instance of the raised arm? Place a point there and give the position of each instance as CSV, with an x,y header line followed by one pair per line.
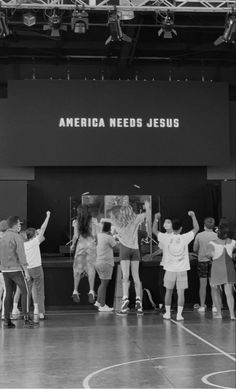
x,y
195,222
155,230
43,227
75,235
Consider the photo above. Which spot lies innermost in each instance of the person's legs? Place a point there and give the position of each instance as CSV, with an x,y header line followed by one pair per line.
x,y
102,292
180,304
10,286
214,295
22,284
2,287
181,285
135,275
230,299
161,289
217,298
91,280
125,268
15,310
202,293
78,268
169,284
38,290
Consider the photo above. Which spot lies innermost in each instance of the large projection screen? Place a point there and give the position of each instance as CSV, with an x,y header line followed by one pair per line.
x,y
115,123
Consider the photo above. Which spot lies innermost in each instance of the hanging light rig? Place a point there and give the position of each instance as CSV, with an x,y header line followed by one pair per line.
x,y
229,32
79,21
116,33
167,26
55,25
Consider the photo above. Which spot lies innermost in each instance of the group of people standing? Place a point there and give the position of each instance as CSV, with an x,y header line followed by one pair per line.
x,y
93,243
21,269
94,252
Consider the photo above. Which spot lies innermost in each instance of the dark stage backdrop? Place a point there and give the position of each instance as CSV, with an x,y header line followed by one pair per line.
x,y
180,189
114,123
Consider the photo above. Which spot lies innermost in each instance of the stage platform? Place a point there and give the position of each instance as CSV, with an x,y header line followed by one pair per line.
x,y
102,350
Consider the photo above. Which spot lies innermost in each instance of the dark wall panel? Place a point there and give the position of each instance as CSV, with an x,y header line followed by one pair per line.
x,y
13,199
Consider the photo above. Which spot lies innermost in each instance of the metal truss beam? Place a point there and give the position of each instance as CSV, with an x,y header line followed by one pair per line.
x,y
184,6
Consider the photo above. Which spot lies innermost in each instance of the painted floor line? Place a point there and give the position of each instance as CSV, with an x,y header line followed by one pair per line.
x,y
91,375
204,340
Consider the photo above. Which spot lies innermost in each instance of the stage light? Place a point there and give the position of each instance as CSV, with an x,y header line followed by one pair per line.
x,y
29,19
79,21
4,30
167,29
229,32
116,33
54,24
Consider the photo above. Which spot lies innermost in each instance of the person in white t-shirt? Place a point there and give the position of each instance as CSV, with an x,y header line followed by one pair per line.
x,y
176,261
127,223
104,264
33,239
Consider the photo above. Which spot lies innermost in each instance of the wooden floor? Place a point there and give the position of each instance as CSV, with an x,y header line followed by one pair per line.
x,y
103,350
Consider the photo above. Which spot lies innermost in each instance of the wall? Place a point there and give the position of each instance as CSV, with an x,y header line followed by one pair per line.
x,y
13,199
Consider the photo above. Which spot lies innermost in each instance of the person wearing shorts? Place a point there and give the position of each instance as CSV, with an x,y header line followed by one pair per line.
x,y
127,223
204,265
176,264
104,265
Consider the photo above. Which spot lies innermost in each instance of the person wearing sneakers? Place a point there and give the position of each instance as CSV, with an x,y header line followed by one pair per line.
x,y
176,263
223,272
104,264
14,268
167,225
3,228
127,223
32,240
200,246
85,252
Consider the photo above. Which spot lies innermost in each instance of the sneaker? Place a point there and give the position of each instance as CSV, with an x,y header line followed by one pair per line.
x,y
105,308
16,311
166,316
179,318
75,297
42,316
97,304
122,313
214,309
125,305
138,306
201,309
91,296
9,324
28,322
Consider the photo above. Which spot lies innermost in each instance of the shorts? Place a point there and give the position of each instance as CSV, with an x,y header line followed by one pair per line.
x,y
179,278
128,254
104,270
204,269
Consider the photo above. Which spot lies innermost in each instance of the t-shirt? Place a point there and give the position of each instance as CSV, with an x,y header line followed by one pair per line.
x,y
164,236
105,244
175,251
128,235
32,251
219,248
201,243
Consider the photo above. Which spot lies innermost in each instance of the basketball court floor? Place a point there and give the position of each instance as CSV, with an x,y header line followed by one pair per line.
x,y
103,350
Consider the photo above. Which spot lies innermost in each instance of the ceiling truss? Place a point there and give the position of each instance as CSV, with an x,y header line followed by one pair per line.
x,y
182,6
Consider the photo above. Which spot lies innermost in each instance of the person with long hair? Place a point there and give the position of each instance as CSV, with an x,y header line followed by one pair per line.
x,y
127,223
84,244
223,270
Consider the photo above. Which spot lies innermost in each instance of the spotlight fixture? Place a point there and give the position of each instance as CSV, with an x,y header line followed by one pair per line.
x,y
229,32
116,33
4,30
54,24
79,21
167,25
29,19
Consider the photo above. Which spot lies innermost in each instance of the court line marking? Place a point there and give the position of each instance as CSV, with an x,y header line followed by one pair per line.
x,y
86,380
204,341
205,379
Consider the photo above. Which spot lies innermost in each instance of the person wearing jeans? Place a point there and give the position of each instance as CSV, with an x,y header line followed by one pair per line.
x,y
14,268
